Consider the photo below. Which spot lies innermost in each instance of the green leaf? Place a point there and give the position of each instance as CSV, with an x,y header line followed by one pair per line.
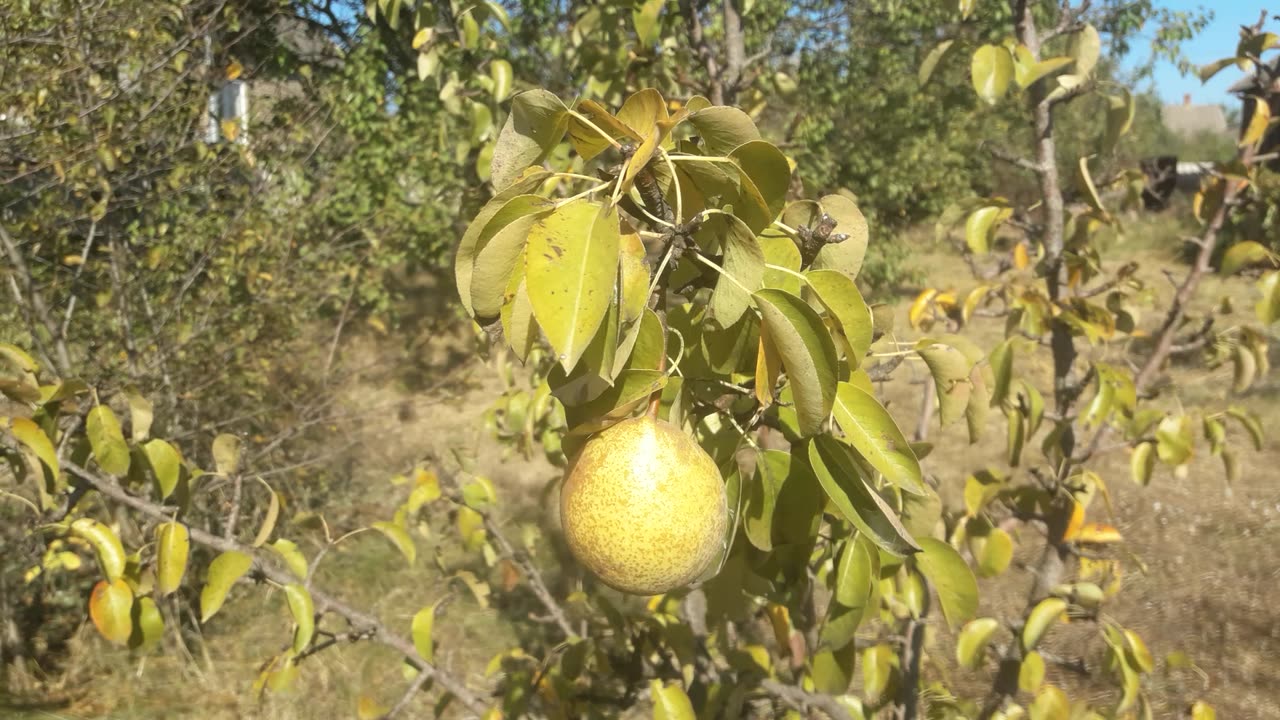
x,y
837,472
293,558
845,256
951,578
398,537
303,611
1174,441
743,269
224,571
980,227
141,413
173,545
843,302
808,355
107,441
269,519
871,430
878,663
534,127
28,433
1001,361
106,545
950,368
1026,70
1143,463
500,73
972,642
670,701
645,19
165,464
518,326
630,390
226,454
1268,308
832,670
932,59
772,467
111,609
1242,255
498,250
1207,72
764,176
857,571
1031,673
1043,616
781,251
1050,704
423,623
148,625
1250,422
481,229
1120,113
991,72
1085,47
571,267
722,128
997,553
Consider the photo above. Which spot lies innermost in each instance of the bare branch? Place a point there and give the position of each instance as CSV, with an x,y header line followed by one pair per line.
x,y
801,700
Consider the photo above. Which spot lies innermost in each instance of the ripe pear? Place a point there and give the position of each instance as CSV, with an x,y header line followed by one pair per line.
x,y
643,507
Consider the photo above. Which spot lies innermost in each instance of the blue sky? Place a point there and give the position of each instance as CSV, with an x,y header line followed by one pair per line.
x,y
1217,40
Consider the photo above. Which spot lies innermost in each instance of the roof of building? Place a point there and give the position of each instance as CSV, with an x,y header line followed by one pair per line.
x,y
1189,120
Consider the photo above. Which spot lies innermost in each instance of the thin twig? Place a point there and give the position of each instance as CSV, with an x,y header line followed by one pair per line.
x,y
378,631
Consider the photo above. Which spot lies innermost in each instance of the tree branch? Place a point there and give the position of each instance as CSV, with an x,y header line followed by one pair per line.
x,y
378,631
802,700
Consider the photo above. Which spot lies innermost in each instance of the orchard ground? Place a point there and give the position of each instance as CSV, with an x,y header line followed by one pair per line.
x,y
1199,581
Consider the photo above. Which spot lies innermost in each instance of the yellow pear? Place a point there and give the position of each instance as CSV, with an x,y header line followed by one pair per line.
x,y
643,507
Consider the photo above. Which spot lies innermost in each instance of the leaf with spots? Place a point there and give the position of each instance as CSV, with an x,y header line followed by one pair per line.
x,y
570,267
534,127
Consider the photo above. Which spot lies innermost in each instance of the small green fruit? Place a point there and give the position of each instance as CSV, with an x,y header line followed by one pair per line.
x,y
643,507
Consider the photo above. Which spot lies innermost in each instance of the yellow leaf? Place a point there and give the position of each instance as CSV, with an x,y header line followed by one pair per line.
x,y
1075,523
234,70
72,260
1021,259
230,129
1098,533
915,315
1257,123
110,606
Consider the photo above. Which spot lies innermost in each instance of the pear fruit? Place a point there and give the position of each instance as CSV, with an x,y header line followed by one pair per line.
x,y
643,507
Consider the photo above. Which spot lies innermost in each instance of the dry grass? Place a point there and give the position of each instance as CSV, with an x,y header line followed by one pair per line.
x,y
1200,579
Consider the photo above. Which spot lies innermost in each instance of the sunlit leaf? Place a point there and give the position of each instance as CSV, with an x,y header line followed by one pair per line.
x,y
422,629
857,502
722,128
743,267
148,625
398,537
224,571
951,578
1085,47
107,440
571,267
111,608
173,545
302,609
1044,615
106,545
808,355
972,642
931,60
847,255
670,701
226,454
1244,254
871,430
844,303
535,125
991,71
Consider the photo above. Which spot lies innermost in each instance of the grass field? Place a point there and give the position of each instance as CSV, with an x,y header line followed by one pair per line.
x,y
1200,579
